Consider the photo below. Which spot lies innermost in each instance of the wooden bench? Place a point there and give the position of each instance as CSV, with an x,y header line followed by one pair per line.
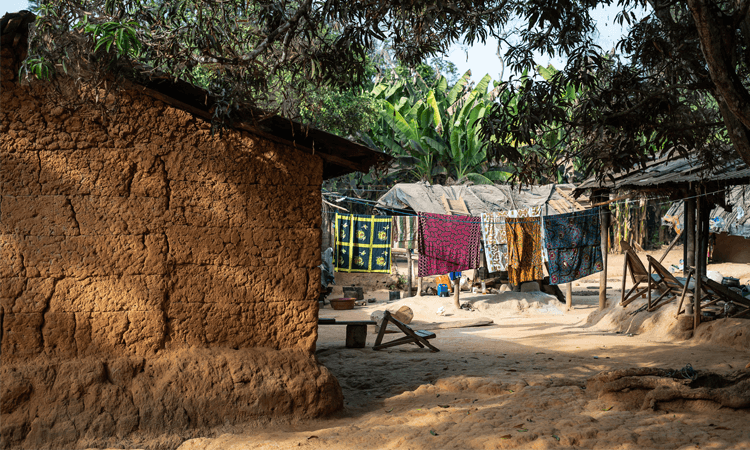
x,y
356,331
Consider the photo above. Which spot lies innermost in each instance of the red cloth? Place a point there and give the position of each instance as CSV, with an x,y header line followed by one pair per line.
x,y
448,243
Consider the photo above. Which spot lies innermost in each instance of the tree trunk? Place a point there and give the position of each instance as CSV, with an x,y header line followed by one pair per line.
x,y
717,36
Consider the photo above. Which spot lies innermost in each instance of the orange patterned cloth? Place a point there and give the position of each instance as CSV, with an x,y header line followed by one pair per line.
x,y
524,249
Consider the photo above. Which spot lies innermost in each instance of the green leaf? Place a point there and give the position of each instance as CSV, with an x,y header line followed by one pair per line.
x,y
458,87
432,103
442,85
397,122
498,175
481,88
378,89
547,72
477,178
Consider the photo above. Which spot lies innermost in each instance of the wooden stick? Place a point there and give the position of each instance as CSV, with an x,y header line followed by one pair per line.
x,y
456,289
612,201
419,286
690,227
671,245
624,278
684,292
409,271
698,269
335,206
604,243
569,296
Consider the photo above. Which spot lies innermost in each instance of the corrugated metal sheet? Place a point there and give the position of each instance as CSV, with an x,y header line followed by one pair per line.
x,y
735,222
663,172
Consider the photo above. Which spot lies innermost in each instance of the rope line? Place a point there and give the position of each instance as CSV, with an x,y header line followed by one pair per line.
x,y
404,212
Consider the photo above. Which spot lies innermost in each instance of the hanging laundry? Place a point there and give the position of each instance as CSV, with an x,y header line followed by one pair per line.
x,y
404,232
524,249
447,243
363,243
574,245
495,241
495,238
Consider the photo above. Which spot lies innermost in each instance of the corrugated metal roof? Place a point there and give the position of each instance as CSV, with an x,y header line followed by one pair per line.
x,y
735,221
664,172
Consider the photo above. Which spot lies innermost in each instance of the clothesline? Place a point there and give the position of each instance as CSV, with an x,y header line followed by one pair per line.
x,y
364,244
457,220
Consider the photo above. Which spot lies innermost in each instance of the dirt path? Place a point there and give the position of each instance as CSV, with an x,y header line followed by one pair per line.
x,y
519,383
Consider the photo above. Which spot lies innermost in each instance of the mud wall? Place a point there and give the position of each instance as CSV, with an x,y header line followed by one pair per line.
x,y
734,249
141,231
131,231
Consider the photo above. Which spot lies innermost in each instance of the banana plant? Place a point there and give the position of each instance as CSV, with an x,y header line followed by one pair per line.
x,y
436,127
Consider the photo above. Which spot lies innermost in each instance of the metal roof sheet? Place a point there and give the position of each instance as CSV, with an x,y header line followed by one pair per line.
x,y
666,171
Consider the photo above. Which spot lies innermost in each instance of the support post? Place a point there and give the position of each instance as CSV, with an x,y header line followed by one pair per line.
x,y
689,207
705,222
569,296
456,290
698,268
409,273
604,214
419,286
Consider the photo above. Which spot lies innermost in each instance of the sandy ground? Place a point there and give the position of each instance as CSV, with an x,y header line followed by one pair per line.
x,y
518,383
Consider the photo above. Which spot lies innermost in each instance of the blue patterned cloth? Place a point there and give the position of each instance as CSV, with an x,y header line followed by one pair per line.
x,y
363,243
573,243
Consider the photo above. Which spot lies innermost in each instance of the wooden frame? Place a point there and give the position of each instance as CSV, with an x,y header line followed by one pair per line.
x,y
666,282
418,337
638,273
454,206
724,293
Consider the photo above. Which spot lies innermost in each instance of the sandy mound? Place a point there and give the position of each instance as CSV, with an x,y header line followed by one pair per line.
x,y
734,333
159,402
662,325
493,306
499,305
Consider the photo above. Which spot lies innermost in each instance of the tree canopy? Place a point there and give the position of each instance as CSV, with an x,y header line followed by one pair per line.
x,y
677,83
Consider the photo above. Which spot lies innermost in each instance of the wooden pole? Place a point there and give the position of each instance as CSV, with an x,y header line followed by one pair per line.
x,y
698,269
604,212
669,249
689,206
409,273
569,296
705,221
419,286
456,289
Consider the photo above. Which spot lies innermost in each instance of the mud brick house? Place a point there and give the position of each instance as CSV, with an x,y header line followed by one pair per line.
x,y
156,279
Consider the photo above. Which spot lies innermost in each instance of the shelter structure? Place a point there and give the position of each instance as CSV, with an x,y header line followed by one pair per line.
x,y
478,199
729,225
676,178
156,278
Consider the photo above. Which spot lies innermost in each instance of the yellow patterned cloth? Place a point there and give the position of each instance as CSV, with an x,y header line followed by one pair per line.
x,y
495,236
524,249
363,243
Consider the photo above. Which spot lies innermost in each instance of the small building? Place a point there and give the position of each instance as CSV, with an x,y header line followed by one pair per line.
x,y
728,224
156,278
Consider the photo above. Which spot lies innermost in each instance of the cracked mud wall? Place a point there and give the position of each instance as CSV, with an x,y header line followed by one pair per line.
x,y
137,234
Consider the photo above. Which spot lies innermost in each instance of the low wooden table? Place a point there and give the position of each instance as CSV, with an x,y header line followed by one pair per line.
x,y
356,331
